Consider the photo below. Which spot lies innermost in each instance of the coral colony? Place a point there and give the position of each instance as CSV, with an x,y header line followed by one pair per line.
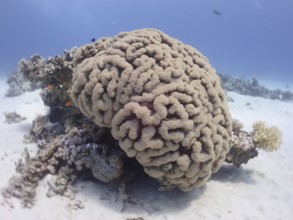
x,y
138,99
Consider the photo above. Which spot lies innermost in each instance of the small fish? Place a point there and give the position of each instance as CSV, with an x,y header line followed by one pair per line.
x,y
217,12
68,104
93,40
50,87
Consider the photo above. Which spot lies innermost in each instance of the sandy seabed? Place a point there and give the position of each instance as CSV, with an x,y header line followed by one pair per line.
x,y
262,189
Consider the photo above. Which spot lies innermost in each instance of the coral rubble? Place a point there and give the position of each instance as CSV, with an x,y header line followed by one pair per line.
x,y
82,150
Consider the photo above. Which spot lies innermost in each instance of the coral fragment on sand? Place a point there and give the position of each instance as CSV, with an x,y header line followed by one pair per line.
x,y
13,117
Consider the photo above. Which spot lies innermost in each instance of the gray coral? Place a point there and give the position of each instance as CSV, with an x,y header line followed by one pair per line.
x,y
18,84
161,99
13,117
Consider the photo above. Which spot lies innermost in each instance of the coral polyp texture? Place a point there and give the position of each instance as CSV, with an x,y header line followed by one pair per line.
x,y
266,138
162,101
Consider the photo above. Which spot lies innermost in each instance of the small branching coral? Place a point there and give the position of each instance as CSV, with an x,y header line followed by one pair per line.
x,y
266,138
244,144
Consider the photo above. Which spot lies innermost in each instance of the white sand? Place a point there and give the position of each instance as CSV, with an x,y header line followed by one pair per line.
x,y
262,189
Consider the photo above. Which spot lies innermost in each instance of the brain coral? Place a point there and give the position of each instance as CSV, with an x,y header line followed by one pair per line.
x,y
162,100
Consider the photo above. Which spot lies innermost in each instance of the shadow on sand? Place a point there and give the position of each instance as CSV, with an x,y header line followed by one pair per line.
x,y
230,173
142,196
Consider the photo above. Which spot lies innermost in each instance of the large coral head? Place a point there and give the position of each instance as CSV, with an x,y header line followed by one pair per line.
x,y
161,99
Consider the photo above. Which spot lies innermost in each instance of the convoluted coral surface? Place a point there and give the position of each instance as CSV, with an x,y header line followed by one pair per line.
x,y
161,99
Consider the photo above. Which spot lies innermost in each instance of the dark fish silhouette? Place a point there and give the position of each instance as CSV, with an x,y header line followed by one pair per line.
x,y
217,12
93,40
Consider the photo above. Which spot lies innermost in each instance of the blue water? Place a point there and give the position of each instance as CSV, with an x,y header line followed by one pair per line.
x,y
239,37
